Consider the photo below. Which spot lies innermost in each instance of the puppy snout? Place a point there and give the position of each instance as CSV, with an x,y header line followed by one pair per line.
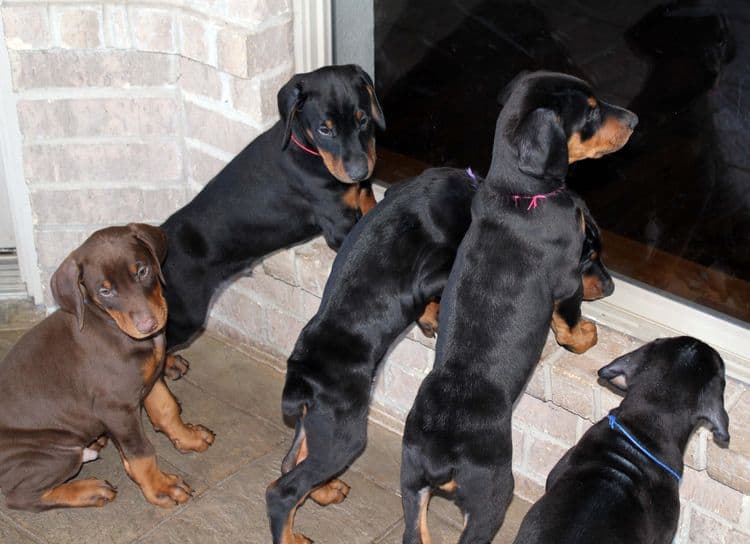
x,y
357,168
145,324
631,120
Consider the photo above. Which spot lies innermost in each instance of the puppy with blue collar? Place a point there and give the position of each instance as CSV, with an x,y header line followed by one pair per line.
x,y
620,483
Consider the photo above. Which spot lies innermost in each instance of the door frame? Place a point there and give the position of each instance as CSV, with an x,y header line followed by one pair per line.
x,y
11,161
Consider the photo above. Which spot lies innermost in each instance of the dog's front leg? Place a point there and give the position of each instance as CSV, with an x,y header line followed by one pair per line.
x,y
164,412
139,459
572,331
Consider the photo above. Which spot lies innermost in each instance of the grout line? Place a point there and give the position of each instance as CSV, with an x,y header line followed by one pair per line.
x,y
22,529
388,531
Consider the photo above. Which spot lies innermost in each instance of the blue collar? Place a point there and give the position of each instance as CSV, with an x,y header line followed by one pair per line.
x,y
614,424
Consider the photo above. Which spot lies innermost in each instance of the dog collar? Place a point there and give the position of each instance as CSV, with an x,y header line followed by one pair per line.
x,y
536,198
614,424
303,147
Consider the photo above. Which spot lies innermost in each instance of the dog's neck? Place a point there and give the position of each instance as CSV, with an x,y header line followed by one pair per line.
x,y
505,177
666,438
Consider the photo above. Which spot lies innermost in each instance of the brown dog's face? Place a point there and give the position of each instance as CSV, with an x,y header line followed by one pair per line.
x,y
334,110
117,269
553,120
681,379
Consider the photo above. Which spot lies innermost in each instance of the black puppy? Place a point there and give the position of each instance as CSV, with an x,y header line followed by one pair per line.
x,y
620,483
392,265
304,176
517,267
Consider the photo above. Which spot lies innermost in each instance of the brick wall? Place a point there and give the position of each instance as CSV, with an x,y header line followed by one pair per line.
x,y
266,311
127,110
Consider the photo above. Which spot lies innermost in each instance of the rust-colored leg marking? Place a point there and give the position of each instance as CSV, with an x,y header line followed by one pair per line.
x,y
366,200
424,502
449,487
428,321
578,339
175,366
290,537
80,493
164,413
161,489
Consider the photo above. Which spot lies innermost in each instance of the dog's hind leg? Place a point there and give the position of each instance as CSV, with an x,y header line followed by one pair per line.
x,y
318,454
484,498
46,486
415,499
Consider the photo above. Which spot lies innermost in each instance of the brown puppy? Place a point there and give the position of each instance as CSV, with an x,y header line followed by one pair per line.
x,y
80,376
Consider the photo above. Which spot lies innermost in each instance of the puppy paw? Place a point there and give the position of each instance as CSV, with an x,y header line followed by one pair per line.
x,y
176,366
333,492
167,490
582,338
100,493
194,438
301,539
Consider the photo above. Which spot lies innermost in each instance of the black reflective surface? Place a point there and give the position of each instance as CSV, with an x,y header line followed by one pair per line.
x,y
681,187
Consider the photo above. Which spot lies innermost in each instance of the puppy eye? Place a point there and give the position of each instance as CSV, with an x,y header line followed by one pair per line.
x,y
106,292
363,120
325,131
142,272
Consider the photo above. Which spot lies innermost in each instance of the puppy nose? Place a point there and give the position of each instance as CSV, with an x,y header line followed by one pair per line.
x,y
608,287
632,120
145,325
358,169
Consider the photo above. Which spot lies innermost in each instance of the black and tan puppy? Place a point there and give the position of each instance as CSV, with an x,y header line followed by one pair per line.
x,y
517,267
305,176
392,265
620,483
81,374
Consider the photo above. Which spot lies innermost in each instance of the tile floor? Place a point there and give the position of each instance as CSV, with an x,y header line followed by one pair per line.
x,y
238,397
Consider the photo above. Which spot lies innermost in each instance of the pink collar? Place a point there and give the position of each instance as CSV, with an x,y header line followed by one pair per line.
x,y
535,198
303,147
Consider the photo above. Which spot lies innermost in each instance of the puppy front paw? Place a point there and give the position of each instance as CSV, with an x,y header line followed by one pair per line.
x,y
195,438
167,490
176,366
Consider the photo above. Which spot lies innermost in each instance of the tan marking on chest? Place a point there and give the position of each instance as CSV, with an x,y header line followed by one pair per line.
x,y
151,367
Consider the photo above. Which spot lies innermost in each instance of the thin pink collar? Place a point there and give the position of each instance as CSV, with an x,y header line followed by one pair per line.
x,y
303,147
535,198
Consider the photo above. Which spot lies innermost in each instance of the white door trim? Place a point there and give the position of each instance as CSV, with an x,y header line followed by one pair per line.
x,y
18,192
313,43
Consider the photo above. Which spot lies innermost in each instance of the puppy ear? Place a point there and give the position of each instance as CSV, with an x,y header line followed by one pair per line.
x,y
155,241
718,419
375,110
65,284
621,371
541,145
290,98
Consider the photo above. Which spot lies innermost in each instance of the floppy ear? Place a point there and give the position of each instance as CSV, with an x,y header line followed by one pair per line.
x,y
155,241
620,371
718,419
375,110
65,284
541,145
290,99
